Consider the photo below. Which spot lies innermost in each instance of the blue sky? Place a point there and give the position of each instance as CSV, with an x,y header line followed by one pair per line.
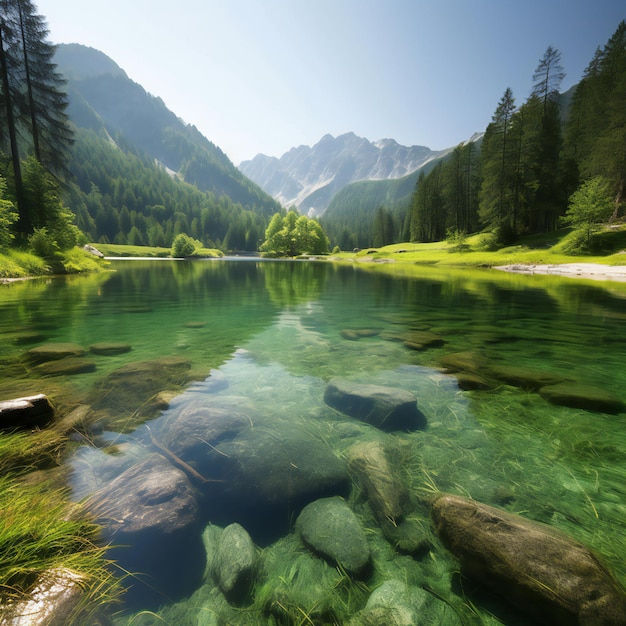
x,y
268,75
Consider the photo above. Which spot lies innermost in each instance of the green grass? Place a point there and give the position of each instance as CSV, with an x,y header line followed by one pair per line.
x,y
118,250
546,248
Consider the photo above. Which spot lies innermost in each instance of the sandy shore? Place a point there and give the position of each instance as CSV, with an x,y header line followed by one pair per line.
x,y
593,271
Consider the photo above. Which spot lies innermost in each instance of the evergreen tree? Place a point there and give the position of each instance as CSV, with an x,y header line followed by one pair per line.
x,y
498,167
33,118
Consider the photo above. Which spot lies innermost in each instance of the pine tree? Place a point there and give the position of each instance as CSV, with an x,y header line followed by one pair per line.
x,y
34,112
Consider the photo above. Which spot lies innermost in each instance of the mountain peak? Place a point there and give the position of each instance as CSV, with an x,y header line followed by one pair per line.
x,y
309,177
78,62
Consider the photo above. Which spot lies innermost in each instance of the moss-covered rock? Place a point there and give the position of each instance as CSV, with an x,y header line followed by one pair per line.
x,y
579,396
330,529
65,367
109,348
54,351
525,377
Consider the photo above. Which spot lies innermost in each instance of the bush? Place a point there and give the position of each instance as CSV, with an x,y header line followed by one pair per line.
x,y
183,246
42,244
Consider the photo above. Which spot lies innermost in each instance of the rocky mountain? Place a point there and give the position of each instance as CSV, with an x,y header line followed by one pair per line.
x,y
103,99
310,177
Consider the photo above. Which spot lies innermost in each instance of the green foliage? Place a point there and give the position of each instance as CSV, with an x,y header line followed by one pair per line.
x,y
291,235
8,216
589,207
184,246
457,240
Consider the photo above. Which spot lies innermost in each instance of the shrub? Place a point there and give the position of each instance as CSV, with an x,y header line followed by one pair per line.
x,y
183,246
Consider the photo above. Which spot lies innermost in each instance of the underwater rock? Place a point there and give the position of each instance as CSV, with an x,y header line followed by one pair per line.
x,y
472,382
577,396
467,361
387,495
132,390
150,514
387,408
197,429
235,563
538,569
395,603
329,528
65,367
354,334
297,583
265,475
109,348
54,351
524,377
27,412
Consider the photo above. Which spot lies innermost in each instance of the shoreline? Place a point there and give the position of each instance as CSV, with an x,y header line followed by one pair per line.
x,y
591,271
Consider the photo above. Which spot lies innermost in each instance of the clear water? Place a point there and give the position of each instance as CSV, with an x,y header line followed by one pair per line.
x,y
266,337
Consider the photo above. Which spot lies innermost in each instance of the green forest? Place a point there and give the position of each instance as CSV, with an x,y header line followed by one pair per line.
x,y
63,183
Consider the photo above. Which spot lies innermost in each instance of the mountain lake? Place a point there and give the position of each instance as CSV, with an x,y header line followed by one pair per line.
x,y
266,437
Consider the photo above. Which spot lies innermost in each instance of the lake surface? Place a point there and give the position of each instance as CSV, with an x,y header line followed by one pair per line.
x,y
250,347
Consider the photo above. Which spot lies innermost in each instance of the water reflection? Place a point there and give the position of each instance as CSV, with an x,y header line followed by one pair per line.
x,y
247,430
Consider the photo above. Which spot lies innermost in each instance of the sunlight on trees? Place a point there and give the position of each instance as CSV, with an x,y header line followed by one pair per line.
x,y
291,235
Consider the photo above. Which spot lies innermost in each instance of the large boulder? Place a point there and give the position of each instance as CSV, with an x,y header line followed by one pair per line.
x,y
329,528
538,569
234,562
387,408
150,514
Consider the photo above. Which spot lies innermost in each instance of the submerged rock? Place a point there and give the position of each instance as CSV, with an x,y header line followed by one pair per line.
x,y
54,351
524,377
395,603
329,528
235,562
150,512
132,390
579,396
387,408
65,367
538,569
109,348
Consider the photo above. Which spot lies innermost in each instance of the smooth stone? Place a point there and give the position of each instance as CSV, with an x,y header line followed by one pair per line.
x,y
353,334
235,562
150,515
467,361
538,569
109,349
329,528
524,377
69,366
54,351
577,396
387,408
472,382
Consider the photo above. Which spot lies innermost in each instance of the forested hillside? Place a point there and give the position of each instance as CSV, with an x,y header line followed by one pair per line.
x,y
143,175
534,156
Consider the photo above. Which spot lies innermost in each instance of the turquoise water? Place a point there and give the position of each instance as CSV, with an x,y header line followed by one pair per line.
x,y
261,340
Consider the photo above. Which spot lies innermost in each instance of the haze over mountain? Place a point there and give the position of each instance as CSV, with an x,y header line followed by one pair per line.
x,y
105,100
310,177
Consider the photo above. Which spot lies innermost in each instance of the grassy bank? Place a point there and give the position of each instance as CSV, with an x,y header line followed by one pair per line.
x,y
532,250
15,263
117,250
